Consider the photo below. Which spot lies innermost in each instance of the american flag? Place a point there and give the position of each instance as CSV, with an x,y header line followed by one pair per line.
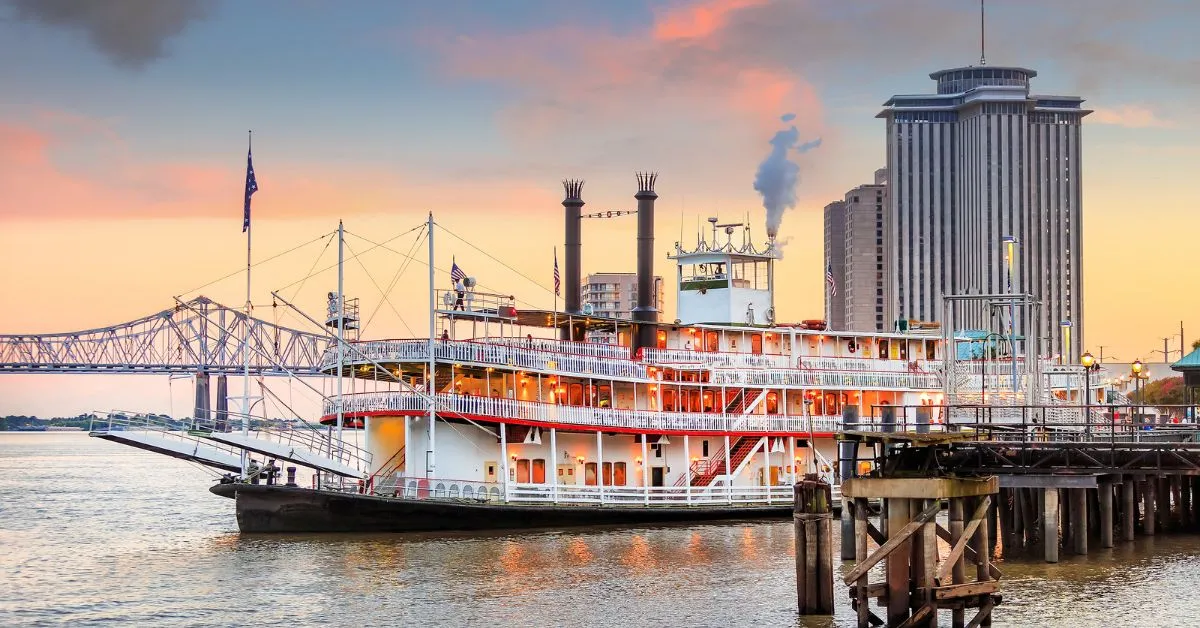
x,y
251,188
456,273
557,277
829,280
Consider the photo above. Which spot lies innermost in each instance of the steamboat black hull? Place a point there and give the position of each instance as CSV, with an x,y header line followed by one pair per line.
x,y
262,508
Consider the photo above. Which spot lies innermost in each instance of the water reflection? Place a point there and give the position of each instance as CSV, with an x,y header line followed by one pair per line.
x,y
92,548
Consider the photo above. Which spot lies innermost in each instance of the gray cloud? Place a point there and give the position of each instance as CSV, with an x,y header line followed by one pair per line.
x,y
130,32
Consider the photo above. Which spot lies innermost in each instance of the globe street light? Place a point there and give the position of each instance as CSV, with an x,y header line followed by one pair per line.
x,y
1089,364
1137,367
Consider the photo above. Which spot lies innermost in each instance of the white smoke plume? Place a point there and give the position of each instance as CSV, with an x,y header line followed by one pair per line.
x,y
777,174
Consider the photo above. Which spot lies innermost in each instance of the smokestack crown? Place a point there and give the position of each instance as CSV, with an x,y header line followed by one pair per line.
x,y
645,181
573,190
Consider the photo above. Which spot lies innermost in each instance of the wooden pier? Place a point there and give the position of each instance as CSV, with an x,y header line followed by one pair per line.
x,y
1009,491
919,582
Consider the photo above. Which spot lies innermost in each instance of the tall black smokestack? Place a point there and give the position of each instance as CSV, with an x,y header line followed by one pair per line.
x,y
573,203
646,310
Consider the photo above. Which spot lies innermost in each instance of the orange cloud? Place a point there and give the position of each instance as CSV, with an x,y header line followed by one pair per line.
x,y
1131,116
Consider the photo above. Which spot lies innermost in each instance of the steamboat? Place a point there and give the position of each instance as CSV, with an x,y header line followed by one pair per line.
x,y
505,417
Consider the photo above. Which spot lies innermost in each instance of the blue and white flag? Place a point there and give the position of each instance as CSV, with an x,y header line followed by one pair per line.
x,y
456,273
251,188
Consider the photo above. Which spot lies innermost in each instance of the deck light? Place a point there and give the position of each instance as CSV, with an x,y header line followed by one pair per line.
x,y
580,459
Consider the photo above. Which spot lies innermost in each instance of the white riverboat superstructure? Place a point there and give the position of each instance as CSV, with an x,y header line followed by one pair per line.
x,y
722,406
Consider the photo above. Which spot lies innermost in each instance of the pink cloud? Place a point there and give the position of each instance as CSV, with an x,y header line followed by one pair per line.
x,y
1131,116
700,21
41,178
685,66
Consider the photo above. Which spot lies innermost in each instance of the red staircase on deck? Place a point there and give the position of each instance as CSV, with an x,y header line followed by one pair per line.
x,y
742,400
703,472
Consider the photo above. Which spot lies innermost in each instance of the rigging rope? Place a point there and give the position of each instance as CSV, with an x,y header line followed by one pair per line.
x,y
439,269
382,294
314,265
392,284
395,237
493,258
259,263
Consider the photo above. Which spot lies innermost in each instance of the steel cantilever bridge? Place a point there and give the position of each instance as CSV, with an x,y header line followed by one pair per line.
x,y
199,336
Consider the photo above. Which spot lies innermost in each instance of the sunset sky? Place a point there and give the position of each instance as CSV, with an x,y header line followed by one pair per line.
x,y
123,137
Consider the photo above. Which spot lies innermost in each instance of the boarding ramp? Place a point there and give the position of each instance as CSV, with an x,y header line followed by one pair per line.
x,y
199,440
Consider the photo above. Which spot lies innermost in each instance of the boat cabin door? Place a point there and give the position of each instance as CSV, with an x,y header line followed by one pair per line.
x,y
658,476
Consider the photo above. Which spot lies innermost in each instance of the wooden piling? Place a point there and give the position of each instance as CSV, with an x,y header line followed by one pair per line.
x,y
983,553
812,513
1176,501
1162,497
1128,509
1196,501
1079,518
1105,493
1050,516
1148,508
860,556
1186,514
958,571
897,563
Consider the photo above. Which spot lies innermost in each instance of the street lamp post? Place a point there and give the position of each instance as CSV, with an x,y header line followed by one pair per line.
x,y
1137,368
1089,364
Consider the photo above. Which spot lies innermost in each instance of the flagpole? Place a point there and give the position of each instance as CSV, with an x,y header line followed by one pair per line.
x,y
556,292
246,328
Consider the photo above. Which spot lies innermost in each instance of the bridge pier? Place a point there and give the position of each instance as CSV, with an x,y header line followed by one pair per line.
x,y
222,417
201,408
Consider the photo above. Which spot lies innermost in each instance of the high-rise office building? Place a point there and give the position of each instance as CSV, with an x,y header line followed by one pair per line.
x,y
614,295
856,256
981,161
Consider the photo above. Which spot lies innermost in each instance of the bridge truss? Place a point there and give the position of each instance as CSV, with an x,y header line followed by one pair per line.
x,y
197,336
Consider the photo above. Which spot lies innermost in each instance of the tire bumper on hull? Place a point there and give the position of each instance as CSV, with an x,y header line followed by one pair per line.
x,y
262,508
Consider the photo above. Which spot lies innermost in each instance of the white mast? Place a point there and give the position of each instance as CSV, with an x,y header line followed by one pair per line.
x,y
341,322
430,461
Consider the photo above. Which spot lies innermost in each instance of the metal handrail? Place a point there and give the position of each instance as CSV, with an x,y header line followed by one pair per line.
x,y
499,408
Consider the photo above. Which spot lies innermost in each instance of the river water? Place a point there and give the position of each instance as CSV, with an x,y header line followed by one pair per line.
x,y
94,533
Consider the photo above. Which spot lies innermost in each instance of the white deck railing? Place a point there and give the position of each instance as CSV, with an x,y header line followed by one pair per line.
x,y
399,401
594,349
730,369
824,379
440,489
491,354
